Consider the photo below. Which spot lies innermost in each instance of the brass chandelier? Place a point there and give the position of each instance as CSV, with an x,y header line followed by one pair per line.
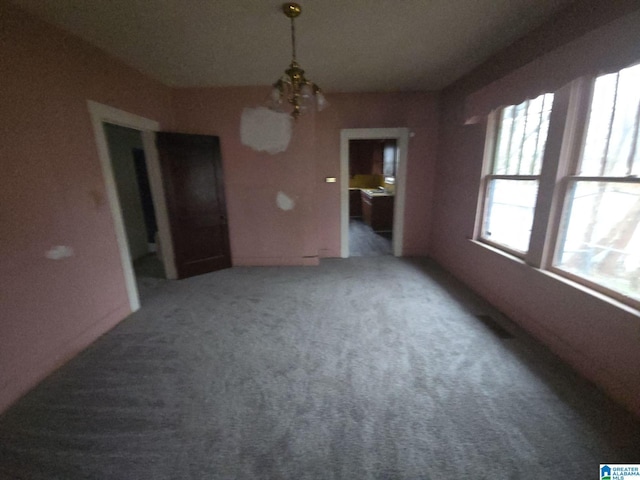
x,y
293,88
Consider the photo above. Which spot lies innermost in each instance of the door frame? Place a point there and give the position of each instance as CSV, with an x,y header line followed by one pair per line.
x,y
401,135
101,114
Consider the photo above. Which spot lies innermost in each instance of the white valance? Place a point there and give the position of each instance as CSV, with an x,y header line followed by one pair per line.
x,y
606,49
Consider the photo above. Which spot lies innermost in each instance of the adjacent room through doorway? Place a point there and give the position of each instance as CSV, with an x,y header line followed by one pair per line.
x,y
129,166
372,169
373,166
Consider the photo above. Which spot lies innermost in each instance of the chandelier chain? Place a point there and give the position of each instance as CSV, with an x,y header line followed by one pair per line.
x,y
293,39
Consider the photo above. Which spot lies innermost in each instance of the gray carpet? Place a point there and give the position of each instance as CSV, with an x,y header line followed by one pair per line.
x,y
358,369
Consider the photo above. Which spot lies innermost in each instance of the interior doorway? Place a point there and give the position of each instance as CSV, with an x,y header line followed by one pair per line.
x,y
129,165
101,114
373,179
372,172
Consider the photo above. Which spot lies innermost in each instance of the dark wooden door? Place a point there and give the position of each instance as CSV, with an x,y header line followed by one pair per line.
x,y
193,182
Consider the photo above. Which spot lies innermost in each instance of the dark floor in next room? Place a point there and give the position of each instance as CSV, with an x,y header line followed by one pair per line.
x,y
364,242
149,266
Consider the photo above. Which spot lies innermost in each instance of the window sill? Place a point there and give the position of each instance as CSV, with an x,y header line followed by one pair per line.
x,y
591,291
498,251
560,278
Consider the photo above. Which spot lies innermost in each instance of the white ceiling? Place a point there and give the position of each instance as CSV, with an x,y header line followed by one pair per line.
x,y
344,45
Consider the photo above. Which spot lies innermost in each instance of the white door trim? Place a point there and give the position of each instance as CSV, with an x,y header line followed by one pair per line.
x,y
99,115
402,137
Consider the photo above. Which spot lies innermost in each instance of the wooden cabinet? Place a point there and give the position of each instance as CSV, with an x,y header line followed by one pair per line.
x,y
355,202
365,157
377,211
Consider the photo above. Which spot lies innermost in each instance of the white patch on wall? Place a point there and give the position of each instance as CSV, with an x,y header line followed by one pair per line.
x,y
59,252
284,201
265,130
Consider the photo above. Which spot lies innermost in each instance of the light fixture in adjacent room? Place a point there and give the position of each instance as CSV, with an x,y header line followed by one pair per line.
x,y
293,91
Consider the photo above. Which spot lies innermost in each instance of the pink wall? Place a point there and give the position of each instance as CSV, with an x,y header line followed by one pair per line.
x,y
262,234
53,194
416,111
597,337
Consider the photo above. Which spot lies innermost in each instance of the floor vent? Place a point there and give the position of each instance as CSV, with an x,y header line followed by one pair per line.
x,y
492,325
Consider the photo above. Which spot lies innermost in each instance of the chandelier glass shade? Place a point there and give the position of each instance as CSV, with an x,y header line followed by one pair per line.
x,y
293,92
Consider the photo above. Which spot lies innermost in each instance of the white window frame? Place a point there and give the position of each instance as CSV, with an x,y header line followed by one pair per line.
x,y
485,210
493,125
577,123
567,127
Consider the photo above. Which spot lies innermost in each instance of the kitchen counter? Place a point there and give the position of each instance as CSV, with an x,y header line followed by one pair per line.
x,y
377,209
376,192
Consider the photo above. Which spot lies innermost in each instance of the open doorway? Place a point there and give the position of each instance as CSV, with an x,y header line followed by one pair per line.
x,y
146,128
373,171
128,162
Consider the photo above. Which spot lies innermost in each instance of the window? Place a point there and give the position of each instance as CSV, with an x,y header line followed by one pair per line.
x,y
599,238
511,187
586,224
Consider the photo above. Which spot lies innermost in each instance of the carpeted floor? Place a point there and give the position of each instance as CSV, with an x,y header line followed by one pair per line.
x,y
365,368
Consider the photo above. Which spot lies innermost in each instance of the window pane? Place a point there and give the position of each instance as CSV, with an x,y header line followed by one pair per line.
x,y
522,136
533,149
517,132
500,165
601,241
509,217
611,145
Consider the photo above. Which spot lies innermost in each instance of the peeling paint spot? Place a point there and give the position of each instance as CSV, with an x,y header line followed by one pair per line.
x,y
264,130
59,252
284,202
